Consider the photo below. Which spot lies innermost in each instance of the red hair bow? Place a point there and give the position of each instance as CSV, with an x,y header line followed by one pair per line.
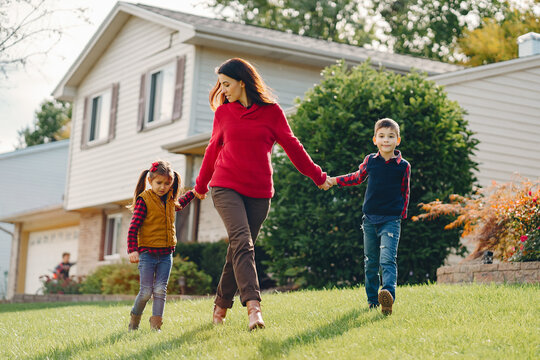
x,y
154,167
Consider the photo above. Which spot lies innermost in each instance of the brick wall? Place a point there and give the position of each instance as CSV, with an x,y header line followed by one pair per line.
x,y
92,227
515,272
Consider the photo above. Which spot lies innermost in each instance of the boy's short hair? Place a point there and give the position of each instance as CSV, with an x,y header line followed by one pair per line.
x,y
386,123
66,253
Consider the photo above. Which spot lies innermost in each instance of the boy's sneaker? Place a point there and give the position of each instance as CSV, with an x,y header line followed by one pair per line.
x,y
386,300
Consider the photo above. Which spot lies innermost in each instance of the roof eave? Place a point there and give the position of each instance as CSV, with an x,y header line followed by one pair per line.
x,y
100,41
488,70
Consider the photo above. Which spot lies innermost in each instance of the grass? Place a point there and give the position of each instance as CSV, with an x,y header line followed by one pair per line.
x,y
429,321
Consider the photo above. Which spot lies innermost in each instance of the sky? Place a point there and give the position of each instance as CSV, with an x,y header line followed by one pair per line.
x,y
23,91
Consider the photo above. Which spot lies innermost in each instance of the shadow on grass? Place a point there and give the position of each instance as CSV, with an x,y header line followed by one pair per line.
x,y
74,348
6,308
158,348
348,321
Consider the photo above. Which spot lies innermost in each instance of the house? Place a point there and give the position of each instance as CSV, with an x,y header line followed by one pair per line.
x,y
6,234
140,92
502,101
32,190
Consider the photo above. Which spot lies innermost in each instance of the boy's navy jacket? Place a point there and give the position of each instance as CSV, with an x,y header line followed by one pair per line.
x,y
387,190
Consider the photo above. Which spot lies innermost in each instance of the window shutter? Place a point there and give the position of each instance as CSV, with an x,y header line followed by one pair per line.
x,y
114,109
179,88
140,118
84,139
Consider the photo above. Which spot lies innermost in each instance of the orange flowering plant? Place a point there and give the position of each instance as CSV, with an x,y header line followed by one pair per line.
x,y
503,218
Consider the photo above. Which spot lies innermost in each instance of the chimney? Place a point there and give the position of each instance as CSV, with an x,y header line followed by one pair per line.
x,y
529,44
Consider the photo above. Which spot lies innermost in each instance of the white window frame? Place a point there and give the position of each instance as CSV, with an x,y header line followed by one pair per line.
x,y
101,127
116,237
160,89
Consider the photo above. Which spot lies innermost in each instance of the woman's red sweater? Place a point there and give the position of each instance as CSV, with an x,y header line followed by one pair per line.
x,y
238,155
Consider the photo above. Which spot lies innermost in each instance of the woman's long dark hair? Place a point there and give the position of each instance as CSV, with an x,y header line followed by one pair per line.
x,y
241,70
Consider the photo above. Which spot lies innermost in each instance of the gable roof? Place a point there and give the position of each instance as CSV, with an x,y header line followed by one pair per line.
x,y
488,70
199,30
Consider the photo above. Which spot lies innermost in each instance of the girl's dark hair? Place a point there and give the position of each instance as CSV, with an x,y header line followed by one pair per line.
x,y
241,70
160,167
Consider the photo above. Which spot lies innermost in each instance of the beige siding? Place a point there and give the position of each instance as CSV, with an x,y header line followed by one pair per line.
x,y
108,173
504,112
288,81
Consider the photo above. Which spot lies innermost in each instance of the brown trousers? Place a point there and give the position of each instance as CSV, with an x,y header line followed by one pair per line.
x,y
243,217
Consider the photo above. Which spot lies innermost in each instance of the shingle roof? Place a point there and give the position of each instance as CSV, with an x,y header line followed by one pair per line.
x,y
304,43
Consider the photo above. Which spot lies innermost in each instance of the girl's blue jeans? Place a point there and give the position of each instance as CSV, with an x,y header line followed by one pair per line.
x,y
380,251
154,271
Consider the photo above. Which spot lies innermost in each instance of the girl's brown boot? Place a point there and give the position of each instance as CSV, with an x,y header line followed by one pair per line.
x,y
156,322
219,315
254,315
134,322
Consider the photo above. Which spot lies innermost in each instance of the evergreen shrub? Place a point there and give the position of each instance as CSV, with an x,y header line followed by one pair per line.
x,y
313,237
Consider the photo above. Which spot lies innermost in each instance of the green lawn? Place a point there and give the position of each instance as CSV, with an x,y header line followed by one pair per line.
x,y
431,321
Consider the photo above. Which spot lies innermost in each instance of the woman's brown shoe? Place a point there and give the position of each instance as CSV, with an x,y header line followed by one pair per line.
x,y
219,315
254,315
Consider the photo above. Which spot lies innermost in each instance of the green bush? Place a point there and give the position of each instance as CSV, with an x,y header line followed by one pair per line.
x,y
313,237
197,282
123,278
210,258
71,285
120,278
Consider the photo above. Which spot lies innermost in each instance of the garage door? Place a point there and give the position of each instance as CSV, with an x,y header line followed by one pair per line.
x,y
45,250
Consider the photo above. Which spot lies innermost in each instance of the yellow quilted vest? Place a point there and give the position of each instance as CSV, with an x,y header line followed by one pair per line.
x,y
157,229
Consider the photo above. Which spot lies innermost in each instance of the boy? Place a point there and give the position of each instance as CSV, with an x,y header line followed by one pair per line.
x,y
61,272
385,204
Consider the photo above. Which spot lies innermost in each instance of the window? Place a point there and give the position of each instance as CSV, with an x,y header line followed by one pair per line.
x,y
113,235
100,116
160,94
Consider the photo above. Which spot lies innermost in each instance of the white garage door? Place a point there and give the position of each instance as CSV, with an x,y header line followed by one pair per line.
x,y
45,250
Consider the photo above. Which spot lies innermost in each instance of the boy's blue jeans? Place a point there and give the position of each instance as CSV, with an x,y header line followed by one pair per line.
x,y
380,251
154,273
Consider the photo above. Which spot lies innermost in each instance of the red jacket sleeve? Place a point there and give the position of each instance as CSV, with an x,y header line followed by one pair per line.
x,y
296,152
210,155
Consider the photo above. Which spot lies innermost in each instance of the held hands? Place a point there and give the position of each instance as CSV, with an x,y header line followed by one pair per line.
x,y
134,257
199,196
330,181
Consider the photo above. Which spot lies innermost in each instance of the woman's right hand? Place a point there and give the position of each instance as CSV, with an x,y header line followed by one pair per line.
x,y
134,257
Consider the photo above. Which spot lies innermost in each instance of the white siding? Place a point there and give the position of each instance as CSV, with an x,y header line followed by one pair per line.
x,y
108,173
288,81
33,178
504,112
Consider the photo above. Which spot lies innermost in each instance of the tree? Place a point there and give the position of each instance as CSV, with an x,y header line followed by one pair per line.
x,y
431,28
336,20
52,123
496,40
314,237
29,28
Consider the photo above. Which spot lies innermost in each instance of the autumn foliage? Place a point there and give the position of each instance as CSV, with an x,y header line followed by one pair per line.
x,y
504,218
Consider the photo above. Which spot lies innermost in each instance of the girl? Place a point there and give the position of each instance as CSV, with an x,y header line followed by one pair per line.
x,y
236,164
152,237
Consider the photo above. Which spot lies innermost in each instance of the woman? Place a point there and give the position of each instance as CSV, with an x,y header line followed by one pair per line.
x,y
237,165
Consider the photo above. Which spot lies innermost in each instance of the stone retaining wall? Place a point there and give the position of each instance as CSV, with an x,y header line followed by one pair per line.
x,y
510,272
